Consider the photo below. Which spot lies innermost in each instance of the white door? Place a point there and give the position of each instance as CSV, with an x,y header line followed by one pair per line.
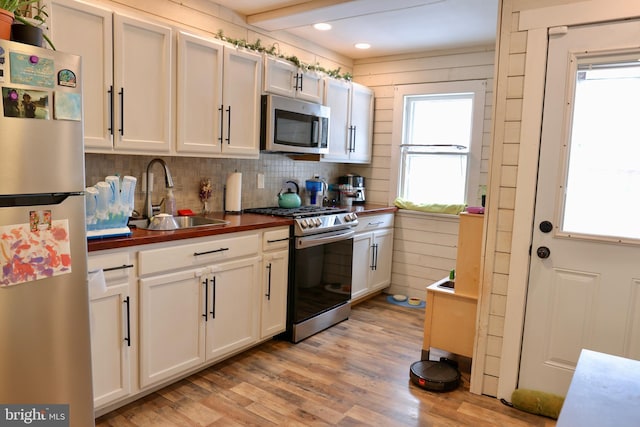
x,y
584,284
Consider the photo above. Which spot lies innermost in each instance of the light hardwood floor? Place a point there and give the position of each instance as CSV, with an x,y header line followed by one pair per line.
x,y
353,374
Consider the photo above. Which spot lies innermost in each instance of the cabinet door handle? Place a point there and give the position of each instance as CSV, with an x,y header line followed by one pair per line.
x,y
228,139
352,139
268,294
353,143
375,263
122,267
221,109
128,337
374,257
121,93
213,298
206,299
301,78
210,252
110,92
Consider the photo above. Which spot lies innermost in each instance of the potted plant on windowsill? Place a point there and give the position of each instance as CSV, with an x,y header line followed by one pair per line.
x,y
25,18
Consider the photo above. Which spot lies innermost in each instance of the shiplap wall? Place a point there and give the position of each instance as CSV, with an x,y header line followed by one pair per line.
x,y
520,90
424,244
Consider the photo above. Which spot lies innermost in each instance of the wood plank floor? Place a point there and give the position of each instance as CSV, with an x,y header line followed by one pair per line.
x,y
353,374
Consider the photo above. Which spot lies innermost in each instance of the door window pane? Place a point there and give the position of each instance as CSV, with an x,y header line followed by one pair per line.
x,y
602,195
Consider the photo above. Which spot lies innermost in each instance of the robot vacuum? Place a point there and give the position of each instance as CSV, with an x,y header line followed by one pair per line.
x,y
442,375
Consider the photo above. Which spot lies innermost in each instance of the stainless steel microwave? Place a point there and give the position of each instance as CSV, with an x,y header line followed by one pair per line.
x,y
292,126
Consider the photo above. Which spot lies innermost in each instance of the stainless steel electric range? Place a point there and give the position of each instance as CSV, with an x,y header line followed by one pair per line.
x,y
320,256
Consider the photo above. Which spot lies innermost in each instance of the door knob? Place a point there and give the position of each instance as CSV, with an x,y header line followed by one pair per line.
x,y
546,226
543,252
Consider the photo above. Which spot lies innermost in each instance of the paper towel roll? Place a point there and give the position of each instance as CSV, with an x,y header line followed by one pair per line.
x,y
233,193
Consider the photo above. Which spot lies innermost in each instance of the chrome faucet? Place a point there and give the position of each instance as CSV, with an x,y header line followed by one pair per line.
x,y
148,206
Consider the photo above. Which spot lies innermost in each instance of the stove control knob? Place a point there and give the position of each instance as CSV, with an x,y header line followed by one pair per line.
x,y
350,217
318,222
304,223
310,222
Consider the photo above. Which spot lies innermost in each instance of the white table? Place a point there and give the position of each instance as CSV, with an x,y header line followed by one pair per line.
x,y
604,391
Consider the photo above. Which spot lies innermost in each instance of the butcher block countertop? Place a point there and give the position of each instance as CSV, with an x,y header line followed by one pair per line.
x,y
237,223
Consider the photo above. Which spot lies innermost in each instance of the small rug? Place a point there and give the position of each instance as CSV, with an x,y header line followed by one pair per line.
x,y
405,303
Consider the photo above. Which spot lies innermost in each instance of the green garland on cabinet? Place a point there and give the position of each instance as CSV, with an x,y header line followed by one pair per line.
x,y
273,50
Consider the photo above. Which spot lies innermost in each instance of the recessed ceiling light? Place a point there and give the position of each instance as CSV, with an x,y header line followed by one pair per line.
x,y
362,45
322,26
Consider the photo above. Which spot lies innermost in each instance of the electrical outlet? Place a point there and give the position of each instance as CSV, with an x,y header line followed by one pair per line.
x,y
260,183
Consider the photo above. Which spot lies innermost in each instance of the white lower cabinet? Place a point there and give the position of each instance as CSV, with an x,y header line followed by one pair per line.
x,y
275,245
372,253
171,325
233,307
113,313
196,316
192,303
202,300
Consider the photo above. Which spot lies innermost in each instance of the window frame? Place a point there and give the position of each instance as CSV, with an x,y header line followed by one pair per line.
x,y
478,89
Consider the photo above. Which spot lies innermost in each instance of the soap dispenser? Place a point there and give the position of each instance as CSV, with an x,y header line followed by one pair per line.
x,y
170,203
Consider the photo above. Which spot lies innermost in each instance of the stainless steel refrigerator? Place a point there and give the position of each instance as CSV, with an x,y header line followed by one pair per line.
x,y
45,360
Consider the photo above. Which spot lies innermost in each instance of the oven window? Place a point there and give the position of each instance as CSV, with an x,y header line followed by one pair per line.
x,y
322,278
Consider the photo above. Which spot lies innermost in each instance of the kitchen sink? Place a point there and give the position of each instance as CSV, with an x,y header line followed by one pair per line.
x,y
165,223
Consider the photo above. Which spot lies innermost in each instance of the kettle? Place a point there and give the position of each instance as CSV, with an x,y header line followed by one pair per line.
x,y
289,199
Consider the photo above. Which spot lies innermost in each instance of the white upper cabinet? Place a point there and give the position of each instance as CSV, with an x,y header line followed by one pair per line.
x,y
338,99
281,77
127,76
199,93
218,90
143,81
241,102
351,124
69,19
361,123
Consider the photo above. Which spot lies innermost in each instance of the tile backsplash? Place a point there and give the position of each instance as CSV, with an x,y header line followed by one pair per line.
x,y
188,171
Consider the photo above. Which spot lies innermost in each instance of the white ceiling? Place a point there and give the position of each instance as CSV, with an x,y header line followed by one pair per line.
x,y
390,26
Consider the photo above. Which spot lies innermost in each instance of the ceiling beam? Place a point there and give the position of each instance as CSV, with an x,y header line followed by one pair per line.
x,y
315,11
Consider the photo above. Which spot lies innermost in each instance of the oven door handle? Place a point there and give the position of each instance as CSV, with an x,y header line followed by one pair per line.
x,y
322,239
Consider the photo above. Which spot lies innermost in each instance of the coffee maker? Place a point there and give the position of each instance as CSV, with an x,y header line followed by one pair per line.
x,y
355,183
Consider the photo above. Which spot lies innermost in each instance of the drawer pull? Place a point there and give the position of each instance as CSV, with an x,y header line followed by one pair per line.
x,y
122,267
375,224
279,240
210,252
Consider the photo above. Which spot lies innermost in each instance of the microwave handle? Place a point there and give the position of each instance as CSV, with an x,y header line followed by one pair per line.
x,y
315,131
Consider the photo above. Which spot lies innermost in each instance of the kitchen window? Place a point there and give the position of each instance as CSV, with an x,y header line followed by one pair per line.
x,y
438,142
